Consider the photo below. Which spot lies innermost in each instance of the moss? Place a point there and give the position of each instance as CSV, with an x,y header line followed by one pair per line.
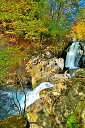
x,y
17,121
79,73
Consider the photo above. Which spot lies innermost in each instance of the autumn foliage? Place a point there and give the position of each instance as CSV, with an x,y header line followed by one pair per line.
x,y
78,30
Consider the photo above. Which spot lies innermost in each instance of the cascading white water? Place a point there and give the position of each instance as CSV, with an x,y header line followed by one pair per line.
x,y
73,56
8,96
34,95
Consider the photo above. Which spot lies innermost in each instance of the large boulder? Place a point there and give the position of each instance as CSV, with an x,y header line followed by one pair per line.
x,y
57,104
44,69
82,59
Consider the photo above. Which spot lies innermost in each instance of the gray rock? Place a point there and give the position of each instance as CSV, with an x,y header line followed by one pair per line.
x,y
60,62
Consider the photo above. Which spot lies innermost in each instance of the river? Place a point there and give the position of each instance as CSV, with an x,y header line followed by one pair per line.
x,y
8,99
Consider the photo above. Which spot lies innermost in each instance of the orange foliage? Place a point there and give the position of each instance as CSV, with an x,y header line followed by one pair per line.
x,y
78,30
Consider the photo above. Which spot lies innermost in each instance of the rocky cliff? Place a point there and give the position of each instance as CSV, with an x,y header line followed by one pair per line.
x,y
62,106
42,70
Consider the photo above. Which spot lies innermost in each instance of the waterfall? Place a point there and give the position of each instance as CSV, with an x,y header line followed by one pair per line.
x,y
73,56
8,96
34,95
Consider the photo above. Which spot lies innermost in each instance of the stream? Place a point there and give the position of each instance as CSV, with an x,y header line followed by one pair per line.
x,y
8,99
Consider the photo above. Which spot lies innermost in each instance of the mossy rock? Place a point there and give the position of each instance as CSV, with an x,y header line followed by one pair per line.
x,y
56,104
17,121
80,73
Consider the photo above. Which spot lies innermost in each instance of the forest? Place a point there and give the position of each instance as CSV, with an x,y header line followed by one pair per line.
x,y
33,35
40,23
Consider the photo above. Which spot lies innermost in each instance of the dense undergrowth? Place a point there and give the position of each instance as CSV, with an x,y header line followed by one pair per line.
x,y
29,27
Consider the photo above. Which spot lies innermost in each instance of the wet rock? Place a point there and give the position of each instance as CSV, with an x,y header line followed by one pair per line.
x,y
83,46
82,61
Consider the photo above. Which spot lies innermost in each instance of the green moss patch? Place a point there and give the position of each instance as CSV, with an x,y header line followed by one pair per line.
x,y
17,121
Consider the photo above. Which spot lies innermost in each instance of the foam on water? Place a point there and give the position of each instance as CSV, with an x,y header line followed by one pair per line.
x,y
34,95
8,97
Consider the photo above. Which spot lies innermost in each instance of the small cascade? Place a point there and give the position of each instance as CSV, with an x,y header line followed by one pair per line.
x,y
73,56
34,95
8,97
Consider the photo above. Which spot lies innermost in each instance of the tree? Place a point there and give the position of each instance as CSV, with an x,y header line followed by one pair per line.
x,y
26,18
30,21
62,13
59,25
9,58
78,30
